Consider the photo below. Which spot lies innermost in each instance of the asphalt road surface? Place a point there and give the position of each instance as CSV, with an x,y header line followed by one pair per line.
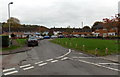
x,y
53,59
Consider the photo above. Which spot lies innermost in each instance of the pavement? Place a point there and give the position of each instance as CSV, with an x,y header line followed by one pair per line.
x,y
53,59
19,50
113,58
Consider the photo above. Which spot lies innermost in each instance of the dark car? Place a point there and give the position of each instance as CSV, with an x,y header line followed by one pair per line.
x,y
61,36
32,41
46,37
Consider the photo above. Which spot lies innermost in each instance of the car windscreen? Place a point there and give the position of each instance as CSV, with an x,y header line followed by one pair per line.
x,y
32,39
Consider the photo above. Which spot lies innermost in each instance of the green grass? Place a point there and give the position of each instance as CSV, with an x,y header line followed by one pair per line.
x,y
21,41
10,48
89,45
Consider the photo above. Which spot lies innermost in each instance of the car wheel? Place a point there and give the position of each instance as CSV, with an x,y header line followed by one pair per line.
x,y
28,45
37,44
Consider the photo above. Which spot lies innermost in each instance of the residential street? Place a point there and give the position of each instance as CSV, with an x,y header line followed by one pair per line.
x,y
53,59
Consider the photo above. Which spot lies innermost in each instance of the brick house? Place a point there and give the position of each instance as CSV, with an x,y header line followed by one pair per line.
x,y
105,32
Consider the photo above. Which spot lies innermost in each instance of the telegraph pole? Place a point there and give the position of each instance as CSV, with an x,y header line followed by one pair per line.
x,y
82,24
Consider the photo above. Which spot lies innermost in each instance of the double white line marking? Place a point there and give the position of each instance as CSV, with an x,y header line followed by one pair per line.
x,y
49,60
64,58
54,61
27,67
38,62
42,64
9,71
99,65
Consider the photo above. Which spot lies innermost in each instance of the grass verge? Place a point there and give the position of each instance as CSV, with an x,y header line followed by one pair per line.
x,y
90,46
20,43
10,48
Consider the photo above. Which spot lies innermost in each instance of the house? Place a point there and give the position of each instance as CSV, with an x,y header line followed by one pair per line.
x,y
100,32
112,32
105,32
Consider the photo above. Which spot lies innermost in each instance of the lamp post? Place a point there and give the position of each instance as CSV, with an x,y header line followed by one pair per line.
x,y
9,18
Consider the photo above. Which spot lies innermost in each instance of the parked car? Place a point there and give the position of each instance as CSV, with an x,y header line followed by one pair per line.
x,y
46,37
41,37
61,36
32,41
68,36
76,35
54,36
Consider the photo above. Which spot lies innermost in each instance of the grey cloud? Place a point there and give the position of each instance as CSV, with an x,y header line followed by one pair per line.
x,y
61,13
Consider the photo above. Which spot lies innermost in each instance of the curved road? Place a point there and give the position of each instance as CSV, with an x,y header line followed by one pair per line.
x,y
43,60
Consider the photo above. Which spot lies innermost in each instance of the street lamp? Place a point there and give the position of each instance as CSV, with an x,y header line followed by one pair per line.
x,y
9,18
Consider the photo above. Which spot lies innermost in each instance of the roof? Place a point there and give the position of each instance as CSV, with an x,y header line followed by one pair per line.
x,y
105,31
101,31
78,33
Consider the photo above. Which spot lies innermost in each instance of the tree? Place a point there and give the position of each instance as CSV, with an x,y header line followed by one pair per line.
x,y
14,22
4,24
50,33
86,29
110,23
13,35
69,30
97,25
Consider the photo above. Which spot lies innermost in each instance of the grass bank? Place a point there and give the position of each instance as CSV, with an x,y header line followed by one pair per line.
x,y
19,43
91,46
10,48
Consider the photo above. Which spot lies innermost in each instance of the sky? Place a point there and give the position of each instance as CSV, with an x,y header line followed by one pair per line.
x,y
59,13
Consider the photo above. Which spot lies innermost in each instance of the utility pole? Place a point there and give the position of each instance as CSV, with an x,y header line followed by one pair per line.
x,y
9,18
82,24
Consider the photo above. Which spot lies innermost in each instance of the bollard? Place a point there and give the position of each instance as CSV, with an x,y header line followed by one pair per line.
x,y
96,51
70,44
83,47
76,45
106,50
66,43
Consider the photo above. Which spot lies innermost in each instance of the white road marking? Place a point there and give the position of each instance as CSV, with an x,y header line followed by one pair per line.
x,y
88,57
54,61
109,63
5,70
64,54
42,64
80,53
49,60
60,57
38,62
64,58
75,57
28,68
85,57
99,65
25,65
8,73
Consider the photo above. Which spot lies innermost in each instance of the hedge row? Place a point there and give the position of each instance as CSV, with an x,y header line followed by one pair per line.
x,y
5,41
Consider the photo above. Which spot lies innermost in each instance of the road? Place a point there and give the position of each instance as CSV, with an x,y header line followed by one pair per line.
x,y
53,59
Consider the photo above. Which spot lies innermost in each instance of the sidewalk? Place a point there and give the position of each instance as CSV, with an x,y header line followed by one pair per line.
x,y
23,49
113,58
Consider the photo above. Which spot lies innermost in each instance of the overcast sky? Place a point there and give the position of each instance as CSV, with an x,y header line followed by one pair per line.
x,y
59,13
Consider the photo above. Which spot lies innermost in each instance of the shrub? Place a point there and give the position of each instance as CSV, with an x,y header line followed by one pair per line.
x,y
5,41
